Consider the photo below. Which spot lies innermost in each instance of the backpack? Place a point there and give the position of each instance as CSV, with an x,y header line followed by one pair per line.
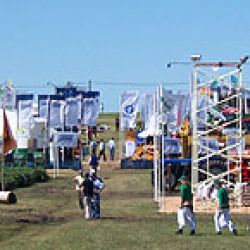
x,y
93,160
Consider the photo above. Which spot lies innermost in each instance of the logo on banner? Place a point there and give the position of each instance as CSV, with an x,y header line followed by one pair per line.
x,y
129,110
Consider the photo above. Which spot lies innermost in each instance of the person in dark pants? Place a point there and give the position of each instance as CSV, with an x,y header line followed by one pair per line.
x,y
88,192
111,146
117,124
95,131
93,146
98,187
102,152
93,161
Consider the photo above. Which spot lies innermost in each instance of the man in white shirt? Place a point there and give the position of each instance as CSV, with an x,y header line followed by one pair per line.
x,y
78,179
102,150
92,147
111,146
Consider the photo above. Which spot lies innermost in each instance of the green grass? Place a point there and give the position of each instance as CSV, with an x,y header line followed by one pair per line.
x,y
47,217
108,115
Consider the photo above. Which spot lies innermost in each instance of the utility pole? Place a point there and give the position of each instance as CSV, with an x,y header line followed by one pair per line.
x,y
89,85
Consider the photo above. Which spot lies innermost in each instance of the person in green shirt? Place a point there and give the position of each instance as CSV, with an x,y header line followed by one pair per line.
x,y
185,212
222,218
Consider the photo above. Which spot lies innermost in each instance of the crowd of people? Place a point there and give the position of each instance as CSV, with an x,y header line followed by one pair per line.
x,y
102,149
89,187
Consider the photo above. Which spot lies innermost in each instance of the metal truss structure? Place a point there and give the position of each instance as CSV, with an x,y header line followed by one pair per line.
x,y
217,124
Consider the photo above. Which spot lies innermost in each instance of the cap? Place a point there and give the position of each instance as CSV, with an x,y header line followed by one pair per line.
x,y
217,182
183,178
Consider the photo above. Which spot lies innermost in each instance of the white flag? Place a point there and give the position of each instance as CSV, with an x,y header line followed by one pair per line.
x,y
44,108
25,113
147,110
129,109
91,109
56,114
72,112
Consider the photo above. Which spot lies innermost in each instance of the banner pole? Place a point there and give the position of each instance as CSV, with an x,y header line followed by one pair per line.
x,y
2,171
155,153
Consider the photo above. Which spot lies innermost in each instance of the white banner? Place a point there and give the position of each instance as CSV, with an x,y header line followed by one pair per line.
x,y
72,112
66,139
56,115
129,109
43,108
91,109
25,113
130,148
147,110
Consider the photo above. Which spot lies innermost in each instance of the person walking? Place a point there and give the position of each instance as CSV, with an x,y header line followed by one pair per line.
x,y
111,146
95,131
88,192
117,124
222,218
96,202
102,150
185,212
93,161
93,146
78,180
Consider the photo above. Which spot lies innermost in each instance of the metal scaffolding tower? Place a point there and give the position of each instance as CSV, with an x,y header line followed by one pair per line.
x,y
217,114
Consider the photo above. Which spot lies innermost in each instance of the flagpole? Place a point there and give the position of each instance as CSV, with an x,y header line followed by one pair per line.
x,y
2,172
3,161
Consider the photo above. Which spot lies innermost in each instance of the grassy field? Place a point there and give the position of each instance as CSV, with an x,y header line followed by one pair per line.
x,y
47,217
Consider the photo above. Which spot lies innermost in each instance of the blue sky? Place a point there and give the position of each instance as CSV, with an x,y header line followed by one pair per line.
x,y
117,41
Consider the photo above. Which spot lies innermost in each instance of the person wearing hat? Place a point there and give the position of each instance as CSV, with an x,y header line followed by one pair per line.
x,y
185,212
222,218
78,179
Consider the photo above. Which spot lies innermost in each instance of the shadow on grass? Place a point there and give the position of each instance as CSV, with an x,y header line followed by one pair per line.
x,y
134,219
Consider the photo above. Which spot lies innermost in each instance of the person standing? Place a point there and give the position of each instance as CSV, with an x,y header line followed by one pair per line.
x,y
78,179
88,192
111,146
222,218
93,161
95,131
117,124
102,150
93,146
98,187
185,212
